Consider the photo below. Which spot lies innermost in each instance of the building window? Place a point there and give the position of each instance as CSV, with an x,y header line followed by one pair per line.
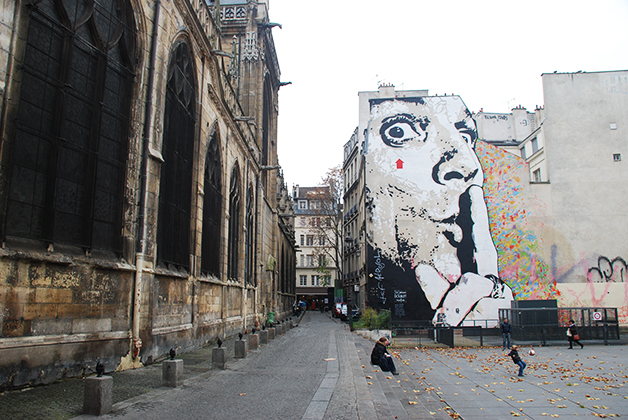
x,y
321,240
173,231
69,144
314,205
302,205
523,152
302,280
302,260
267,127
309,240
316,221
309,260
535,145
315,280
617,157
212,209
537,175
234,224
249,270
302,240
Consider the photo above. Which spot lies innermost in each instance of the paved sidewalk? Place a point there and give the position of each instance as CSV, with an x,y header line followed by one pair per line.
x,y
322,371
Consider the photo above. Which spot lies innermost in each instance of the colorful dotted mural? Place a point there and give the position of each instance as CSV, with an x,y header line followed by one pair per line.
x,y
520,264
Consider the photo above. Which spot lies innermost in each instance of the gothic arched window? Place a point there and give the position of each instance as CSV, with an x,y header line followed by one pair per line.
x,y
212,209
175,193
234,224
249,268
67,168
267,127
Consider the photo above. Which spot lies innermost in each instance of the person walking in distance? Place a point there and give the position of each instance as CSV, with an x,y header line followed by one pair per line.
x,y
572,334
514,354
381,357
506,329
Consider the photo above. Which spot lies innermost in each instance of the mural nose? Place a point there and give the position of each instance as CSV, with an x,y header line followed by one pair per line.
x,y
452,166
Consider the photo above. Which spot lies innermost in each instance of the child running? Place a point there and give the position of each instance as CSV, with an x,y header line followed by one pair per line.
x,y
514,353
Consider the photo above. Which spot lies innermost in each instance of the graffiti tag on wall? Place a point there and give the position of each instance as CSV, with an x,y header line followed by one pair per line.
x,y
608,271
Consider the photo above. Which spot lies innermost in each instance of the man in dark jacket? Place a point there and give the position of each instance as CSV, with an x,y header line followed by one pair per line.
x,y
506,328
381,357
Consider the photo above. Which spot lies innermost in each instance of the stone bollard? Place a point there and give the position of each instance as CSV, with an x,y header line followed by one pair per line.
x,y
240,349
271,333
219,358
98,395
290,324
263,337
280,329
172,373
253,341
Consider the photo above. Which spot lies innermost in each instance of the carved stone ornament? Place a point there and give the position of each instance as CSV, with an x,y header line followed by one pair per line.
x,y
250,50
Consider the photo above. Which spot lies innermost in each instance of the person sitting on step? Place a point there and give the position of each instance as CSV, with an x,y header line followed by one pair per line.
x,y
381,357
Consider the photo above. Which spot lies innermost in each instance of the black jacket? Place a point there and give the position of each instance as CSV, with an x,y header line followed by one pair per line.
x,y
506,328
378,351
574,331
515,356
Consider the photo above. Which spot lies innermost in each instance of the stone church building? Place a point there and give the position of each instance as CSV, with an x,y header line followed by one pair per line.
x,y
142,206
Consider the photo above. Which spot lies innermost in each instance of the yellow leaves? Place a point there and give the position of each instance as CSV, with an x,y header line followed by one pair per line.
x,y
242,394
412,402
369,377
369,383
515,414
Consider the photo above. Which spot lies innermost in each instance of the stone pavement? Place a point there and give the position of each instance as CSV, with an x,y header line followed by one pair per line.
x,y
320,370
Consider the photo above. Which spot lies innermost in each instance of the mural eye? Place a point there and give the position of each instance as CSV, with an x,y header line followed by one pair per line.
x,y
400,129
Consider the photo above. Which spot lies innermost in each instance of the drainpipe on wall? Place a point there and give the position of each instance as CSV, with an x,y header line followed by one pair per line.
x,y
142,234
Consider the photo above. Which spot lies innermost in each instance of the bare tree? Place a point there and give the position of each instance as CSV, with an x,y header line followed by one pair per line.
x,y
325,224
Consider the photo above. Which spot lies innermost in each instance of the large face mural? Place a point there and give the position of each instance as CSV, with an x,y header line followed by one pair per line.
x,y
430,250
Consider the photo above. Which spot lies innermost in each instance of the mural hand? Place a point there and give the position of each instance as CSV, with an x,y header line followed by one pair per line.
x,y
485,254
463,297
433,285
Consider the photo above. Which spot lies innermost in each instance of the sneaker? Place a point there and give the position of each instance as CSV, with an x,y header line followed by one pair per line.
x,y
395,372
521,375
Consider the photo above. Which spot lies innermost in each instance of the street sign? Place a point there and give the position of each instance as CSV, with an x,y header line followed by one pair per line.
x,y
597,316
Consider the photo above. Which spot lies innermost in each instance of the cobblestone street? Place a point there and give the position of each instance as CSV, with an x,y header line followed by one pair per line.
x,y
320,370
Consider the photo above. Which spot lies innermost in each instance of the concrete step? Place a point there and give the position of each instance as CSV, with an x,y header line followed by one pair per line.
x,y
403,396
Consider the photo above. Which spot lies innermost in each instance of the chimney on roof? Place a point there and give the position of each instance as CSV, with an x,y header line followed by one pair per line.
x,y
386,90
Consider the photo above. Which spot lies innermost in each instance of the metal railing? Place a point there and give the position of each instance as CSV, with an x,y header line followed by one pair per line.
x,y
528,324
549,324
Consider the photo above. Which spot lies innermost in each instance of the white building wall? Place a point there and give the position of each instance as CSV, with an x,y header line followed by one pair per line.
x,y
586,125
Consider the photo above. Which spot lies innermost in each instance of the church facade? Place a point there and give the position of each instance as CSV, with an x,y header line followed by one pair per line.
x,y
142,205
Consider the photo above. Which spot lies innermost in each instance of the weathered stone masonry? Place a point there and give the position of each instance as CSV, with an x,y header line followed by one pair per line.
x,y
99,267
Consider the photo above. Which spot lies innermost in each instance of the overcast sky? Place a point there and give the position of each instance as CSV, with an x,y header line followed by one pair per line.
x,y
491,53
